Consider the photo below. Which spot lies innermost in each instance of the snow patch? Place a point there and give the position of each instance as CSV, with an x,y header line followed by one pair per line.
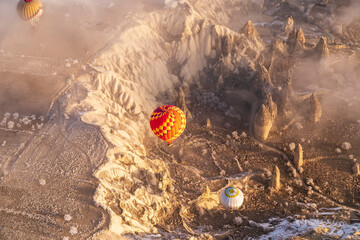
x,y
287,229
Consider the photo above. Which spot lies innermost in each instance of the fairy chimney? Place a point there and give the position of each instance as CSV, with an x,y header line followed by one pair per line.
x,y
208,123
321,49
275,179
181,103
262,123
356,169
315,111
269,103
289,25
298,158
296,41
249,30
278,47
286,95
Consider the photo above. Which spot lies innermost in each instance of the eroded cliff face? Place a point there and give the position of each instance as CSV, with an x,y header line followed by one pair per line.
x,y
131,79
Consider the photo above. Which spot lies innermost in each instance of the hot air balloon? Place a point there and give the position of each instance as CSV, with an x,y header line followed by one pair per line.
x,y
168,122
30,10
231,198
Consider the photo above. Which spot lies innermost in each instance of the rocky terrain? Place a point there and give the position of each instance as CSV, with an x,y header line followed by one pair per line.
x,y
270,92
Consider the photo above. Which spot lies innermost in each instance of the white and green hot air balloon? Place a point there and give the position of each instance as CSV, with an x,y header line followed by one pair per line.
x,y
231,198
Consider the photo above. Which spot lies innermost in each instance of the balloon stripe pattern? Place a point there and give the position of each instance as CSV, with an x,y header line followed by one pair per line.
x,y
231,198
168,122
30,10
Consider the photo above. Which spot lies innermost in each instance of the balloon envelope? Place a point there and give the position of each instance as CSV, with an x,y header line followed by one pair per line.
x,y
168,122
30,10
231,198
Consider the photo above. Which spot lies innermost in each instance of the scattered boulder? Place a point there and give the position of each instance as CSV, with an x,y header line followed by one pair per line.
x,y
298,158
292,146
275,179
315,110
238,221
346,145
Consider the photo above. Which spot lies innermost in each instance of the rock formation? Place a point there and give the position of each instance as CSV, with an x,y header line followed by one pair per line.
x,y
220,82
296,41
289,25
275,179
227,45
264,82
279,66
298,158
323,3
269,103
221,69
249,30
286,95
262,123
181,103
278,47
315,110
321,50
356,169
208,123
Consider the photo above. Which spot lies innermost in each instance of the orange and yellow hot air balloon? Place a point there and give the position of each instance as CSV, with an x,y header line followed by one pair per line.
x,y
30,10
168,122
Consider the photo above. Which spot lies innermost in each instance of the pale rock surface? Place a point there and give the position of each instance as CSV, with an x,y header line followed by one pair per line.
x,y
262,123
208,123
298,156
346,145
289,25
275,179
356,169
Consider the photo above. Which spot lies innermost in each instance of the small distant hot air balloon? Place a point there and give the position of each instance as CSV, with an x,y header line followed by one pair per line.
x,y
168,122
30,10
231,198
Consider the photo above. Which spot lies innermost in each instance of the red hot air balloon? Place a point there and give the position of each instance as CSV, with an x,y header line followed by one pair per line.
x,y
168,122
